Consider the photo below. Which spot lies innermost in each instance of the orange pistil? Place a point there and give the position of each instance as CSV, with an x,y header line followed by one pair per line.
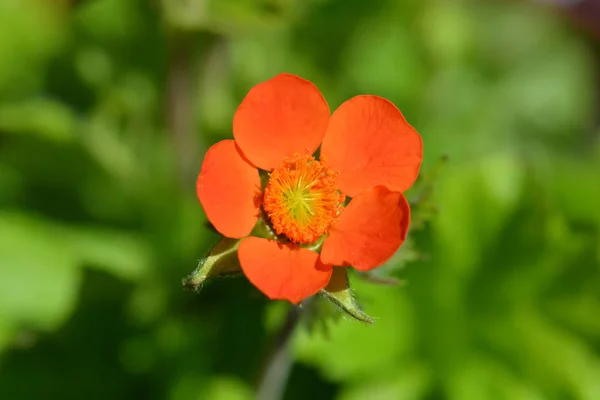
x,y
302,198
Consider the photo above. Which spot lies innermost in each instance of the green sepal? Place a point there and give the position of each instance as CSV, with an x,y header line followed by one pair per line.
x,y
221,261
338,291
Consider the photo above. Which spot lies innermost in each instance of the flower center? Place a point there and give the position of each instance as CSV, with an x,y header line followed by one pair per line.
x,y
302,198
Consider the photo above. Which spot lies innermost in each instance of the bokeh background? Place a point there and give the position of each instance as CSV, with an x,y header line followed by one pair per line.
x,y
107,107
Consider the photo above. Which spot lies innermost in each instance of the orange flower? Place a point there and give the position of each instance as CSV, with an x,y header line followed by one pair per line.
x,y
368,152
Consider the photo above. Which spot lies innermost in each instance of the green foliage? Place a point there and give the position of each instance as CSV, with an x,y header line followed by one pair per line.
x,y
39,275
99,221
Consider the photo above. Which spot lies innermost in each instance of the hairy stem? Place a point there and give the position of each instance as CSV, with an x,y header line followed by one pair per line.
x,y
278,366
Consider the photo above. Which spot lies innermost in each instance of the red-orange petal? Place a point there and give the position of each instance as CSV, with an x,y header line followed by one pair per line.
x,y
369,143
228,188
280,117
369,230
282,272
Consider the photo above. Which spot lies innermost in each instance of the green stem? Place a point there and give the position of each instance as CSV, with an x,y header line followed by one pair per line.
x,y
273,380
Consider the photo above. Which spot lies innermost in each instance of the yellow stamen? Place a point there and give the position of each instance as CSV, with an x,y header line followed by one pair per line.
x,y
302,198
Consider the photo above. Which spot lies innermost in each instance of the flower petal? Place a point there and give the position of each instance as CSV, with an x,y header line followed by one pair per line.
x,y
228,188
280,117
282,272
369,143
369,230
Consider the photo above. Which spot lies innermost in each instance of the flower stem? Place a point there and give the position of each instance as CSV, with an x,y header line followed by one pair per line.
x,y
278,365
180,103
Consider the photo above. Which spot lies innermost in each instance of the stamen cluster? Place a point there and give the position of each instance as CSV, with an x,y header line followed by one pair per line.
x,y
302,198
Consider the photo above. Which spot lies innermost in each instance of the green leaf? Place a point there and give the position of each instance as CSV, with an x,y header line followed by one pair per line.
x,y
339,292
42,117
221,261
30,34
6,334
39,278
109,20
217,388
409,382
121,254
472,219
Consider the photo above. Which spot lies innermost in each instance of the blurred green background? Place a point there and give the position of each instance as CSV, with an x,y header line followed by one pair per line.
x,y
107,106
